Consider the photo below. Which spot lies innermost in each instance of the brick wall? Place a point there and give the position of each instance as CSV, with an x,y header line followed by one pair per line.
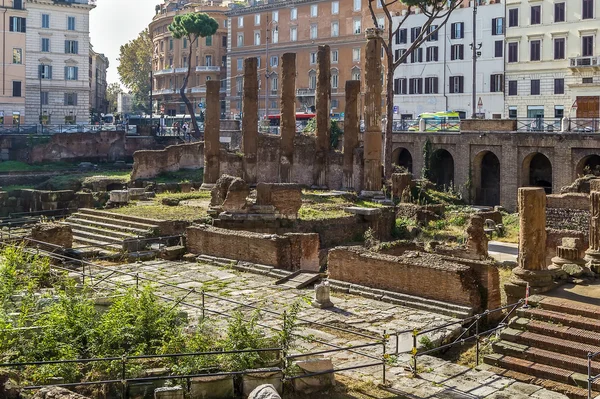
x,y
568,211
148,164
427,275
27,200
488,125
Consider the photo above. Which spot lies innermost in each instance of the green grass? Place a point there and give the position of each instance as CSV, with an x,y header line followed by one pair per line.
x,y
511,228
163,212
72,182
16,166
185,196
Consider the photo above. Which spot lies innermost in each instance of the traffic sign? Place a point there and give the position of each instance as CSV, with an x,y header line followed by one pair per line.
x,y
480,103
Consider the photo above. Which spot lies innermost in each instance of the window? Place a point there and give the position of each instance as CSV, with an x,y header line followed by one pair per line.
x,y
497,26
414,33
275,16
402,36
240,39
334,80
431,54
355,73
209,40
274,83
275,35
70,23
45,44
223,41
356,54
70,99
559,12
294,14
457,52
335,7
587,46
535,87
257,38
379,3
313,58
45,21
240,64
498,48
185,42
239,85
334,103
559,111
334,56
170,44
512,112
587,80
208,60
17,56
17,24
432,33
559,48
536,15
431,85
71,73
240,22
16,92
457,84
400,86
45,71
314,10
559,86
381,22
496,83
314,29
335,29
415,86
44,97
398,53
256,19
513,52
587,9
513,17
312,80
457,30
18,4
71,47
535,47
356,5
274,61
512,87
293,33
356,26
416,55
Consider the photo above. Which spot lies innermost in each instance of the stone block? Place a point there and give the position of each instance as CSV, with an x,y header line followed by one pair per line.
x,y
119,196
217,387
252,381
400,183
54,234
235,201
173,253
219,192
357,210
56,393
84,200
175,392
285,197
314,383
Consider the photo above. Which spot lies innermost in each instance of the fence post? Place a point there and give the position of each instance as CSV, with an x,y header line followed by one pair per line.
x,y
123,372
589,368
202,304
477,341
83,275
414,352
384,353
137,283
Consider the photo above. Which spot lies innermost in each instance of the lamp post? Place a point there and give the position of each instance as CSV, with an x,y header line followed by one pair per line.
x,y
268,63
41,104
475,47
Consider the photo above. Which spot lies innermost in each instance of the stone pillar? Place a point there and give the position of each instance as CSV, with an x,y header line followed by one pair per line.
x,y
531,267
351,130
288,116
592,255
372,112
250,119
477,241
212,145
322,105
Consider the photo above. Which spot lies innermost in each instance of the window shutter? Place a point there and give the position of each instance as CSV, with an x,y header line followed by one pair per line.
x,y
76,73
74,98
494,33
435,85
453,31
66,47
50,72
12,24
40,71
492,84
24,23
461,81
66,73
66,99
462,52
450,85
76,47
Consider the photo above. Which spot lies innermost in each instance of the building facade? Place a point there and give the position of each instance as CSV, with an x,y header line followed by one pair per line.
x,y
438,76
58,48
12,84
124,103
552,59
170,57
98,85
267,30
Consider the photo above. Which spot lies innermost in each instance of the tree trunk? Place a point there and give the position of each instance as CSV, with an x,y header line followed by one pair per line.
x,y
387,138
188,103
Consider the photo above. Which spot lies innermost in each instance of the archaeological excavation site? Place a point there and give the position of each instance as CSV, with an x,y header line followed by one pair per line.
x,y
252,264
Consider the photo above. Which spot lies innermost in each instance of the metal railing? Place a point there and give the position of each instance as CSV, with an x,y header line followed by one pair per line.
x,y
539,125
41,129
584,125
405,125
441,125
591,378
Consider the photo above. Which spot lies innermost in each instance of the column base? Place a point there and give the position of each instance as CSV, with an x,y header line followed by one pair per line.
x,y
592,259
322,305
540,281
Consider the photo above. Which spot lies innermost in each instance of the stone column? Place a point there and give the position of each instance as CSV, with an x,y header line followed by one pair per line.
x,y
351,130
212,146
322,105
288,116
250,119
592,255
372,112
531,267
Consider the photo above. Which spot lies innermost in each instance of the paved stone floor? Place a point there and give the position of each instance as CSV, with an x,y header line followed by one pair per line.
x,y
363,322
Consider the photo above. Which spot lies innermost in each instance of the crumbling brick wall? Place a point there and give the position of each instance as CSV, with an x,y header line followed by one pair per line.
x,y
568,211
148,164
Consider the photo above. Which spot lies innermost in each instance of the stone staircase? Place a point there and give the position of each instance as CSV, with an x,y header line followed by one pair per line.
x,y
547,344
107,231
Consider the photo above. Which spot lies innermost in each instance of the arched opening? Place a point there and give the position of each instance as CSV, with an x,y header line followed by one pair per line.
x,y
539,170
487,179
589,165
442,169
402,157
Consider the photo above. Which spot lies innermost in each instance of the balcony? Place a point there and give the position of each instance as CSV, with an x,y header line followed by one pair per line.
x,y
208,68
161,92
181,70
164,71
585,63
305,92
198,90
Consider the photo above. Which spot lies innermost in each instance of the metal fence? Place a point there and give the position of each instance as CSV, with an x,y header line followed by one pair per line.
x,y
591,378
584,125
65,129
539,125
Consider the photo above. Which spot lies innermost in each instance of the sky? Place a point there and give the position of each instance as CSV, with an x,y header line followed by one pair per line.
x,y
114,23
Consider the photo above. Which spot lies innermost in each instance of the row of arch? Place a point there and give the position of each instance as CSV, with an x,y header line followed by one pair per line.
x,y
536,167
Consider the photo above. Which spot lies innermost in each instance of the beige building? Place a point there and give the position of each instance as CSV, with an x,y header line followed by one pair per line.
x,y
12,84
98,66
169,59
298,26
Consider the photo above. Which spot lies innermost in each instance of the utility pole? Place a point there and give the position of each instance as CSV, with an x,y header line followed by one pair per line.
x,y
475,49
41,103
267,70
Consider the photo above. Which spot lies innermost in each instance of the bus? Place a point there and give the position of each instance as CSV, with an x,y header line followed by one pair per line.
x,y
444,121
301,121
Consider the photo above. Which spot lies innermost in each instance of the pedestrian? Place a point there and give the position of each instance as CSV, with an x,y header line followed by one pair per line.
x,y
177,129
185,128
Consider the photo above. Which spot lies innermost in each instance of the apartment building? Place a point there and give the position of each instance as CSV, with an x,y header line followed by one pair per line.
x,y
170,57
552,58
267,30
58,48
438,76
12,84
98,85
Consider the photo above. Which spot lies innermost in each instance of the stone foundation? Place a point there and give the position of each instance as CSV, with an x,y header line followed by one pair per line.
x,y
148,164
52,233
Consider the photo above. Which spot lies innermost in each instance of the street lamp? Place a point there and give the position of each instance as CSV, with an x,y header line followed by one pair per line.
x,y
476,53
268,63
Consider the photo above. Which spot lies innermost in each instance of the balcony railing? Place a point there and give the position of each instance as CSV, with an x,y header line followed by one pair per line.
x,y
198,89
181,70
208,68
164,71
584,62
306,92
163,91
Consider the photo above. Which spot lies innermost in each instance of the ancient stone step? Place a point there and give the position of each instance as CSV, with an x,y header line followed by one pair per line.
x,y
133,219
557,330
549,343
77,233
113,225
585,323
569,307
96,243
100,231
149,228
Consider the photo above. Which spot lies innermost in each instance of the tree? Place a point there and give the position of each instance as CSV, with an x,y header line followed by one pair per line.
x,y
437,13
112,94
135,65
192,26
